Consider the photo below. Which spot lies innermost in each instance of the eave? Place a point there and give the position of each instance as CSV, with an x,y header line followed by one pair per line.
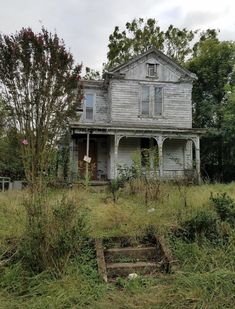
x,y
114,128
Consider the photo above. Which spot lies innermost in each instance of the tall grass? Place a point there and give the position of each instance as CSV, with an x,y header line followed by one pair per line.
x,y
205,278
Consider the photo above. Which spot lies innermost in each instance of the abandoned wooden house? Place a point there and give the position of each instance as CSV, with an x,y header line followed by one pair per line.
x,y
143,103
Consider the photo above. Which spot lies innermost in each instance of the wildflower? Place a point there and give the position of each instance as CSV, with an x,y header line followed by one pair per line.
x,y
25,142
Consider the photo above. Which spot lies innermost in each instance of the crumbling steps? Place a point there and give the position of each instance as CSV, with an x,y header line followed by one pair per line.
x,y
124,269
130,254
141,259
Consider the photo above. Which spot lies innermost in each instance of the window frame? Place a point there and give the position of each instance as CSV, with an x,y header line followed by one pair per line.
x,y
85,107
141,109
151,113
155,70
154,102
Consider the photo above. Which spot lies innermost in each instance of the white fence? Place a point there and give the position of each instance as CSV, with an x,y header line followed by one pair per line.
x,y
5,183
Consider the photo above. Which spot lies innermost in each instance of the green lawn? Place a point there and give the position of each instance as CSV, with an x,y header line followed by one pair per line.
x,y
205,277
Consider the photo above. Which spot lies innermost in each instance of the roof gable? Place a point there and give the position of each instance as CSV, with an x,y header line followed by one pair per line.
x,y
154,56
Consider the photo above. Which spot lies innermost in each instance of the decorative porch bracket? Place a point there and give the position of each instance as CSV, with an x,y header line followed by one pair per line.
x,y
196,141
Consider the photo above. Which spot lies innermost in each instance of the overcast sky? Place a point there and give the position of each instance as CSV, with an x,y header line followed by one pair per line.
x,y
85,25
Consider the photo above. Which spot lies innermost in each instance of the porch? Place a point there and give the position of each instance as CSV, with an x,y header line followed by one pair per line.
x,y
100,152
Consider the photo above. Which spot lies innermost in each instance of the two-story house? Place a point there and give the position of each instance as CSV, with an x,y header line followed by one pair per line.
x,y
142,103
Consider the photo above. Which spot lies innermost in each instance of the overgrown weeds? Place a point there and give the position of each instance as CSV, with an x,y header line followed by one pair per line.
x,y
207,267
54,232
224,206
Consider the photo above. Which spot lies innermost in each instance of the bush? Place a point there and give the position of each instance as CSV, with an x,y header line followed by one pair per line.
x,y
115,185
53,234
225,207
203,224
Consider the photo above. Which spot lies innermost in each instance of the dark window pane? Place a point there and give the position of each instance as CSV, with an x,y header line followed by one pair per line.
x,y
151,70
89,113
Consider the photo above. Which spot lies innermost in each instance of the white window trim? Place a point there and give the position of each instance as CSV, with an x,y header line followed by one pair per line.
x,y
94,107
156,68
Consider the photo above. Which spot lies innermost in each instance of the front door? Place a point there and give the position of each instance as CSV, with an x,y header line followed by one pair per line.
x,y
92,167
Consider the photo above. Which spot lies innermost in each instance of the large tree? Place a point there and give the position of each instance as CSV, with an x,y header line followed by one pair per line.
x,y
38,82
213,62
139,36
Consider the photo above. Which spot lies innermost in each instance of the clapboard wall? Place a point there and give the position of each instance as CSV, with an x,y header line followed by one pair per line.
x,y
126,104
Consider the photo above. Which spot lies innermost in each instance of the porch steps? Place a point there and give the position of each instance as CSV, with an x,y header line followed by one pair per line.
x,y
140,259
124,269
131,253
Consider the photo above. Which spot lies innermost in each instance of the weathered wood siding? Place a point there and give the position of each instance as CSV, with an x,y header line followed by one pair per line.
x,y
138,69
101,109
173,155
188,155
127,149
102,157
126,105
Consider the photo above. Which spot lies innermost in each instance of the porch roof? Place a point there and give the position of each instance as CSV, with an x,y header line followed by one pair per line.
x,y
116,127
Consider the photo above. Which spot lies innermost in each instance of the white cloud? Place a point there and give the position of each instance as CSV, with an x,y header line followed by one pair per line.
x,y
85,25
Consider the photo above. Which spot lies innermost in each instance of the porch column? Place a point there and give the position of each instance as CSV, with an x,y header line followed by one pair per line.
x,y
198,161
159,140
87,154
116,143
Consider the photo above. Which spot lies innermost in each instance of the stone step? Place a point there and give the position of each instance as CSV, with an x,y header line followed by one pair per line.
x,y
131,254
124,269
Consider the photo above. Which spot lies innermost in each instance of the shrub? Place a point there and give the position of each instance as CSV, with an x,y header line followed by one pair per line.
x,y
53,234
203,224
225,207
115,185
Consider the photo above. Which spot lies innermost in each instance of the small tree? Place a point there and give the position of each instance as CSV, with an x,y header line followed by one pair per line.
x,y
38,81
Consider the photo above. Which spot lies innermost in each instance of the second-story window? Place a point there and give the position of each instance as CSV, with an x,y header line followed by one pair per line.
x,y
145,100
151,101
158,100
89,106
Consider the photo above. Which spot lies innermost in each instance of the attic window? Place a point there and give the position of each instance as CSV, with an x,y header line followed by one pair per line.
x,y
152,70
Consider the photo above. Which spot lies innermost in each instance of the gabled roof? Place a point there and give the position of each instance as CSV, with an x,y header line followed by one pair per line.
x,y
160,55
